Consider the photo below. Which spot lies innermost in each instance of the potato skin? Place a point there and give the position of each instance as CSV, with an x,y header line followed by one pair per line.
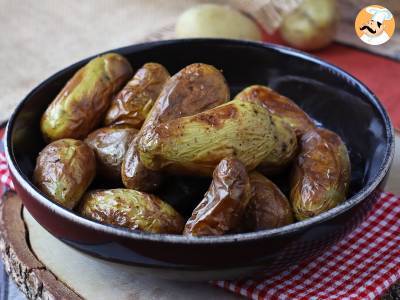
x,y
224,203
80,106
321,174
109,145
193,89
196,144
268,207
64,170
131,209
279,105
133,103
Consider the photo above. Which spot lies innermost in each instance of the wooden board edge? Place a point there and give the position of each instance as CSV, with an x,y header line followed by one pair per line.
x,y
21,264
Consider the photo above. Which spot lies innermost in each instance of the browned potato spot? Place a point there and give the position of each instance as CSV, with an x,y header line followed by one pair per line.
x,y
193,89
133,103
64,170
110,144
279,105
321,174
268,207
80,106
224,203
131,209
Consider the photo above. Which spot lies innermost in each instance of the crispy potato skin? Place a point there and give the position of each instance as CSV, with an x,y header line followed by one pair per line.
x,y
224,203
80,106
110,145
321,174
64,170
196,144
193,89
268,207
279,105
131,209
133,103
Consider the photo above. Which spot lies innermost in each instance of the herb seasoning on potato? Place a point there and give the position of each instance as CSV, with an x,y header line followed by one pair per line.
x,y
80,106
132,104
193,89
64,170
321,174
131,209
223,205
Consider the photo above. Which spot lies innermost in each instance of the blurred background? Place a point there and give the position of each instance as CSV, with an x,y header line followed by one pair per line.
x,y
39,38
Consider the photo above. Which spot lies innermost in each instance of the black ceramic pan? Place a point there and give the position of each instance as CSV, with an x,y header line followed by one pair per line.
x,y
329,95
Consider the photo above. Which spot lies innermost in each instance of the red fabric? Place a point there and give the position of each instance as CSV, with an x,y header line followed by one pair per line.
x,y
381,75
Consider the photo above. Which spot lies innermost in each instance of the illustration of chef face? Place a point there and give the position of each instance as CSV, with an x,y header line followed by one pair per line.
x,y
373,28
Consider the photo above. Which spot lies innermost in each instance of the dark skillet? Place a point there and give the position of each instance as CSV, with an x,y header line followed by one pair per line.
x,y
332,97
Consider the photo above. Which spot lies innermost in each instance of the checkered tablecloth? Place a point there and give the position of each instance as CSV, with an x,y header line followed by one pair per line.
x,y
361,266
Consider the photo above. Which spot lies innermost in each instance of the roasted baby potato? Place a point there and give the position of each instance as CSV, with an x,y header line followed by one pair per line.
x,y
321,174
193,89
196,144
224,203
279,105
80,106
110,144
268,207
132,104
283,152
64,170
131,209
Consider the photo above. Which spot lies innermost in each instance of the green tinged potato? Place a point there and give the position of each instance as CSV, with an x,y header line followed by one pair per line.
x,y
132,104
64,170
131,209
80,106
280,106
321,174
223,205
193,89
268,207
196,144
110,144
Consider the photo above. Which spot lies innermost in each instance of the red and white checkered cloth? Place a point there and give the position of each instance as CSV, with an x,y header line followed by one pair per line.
x,y
361,266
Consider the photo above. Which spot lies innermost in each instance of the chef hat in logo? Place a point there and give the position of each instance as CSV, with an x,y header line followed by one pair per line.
x,y
379,14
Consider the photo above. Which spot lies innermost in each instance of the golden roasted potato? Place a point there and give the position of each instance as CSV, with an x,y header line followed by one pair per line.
x,y
80,106
268,207
132,104
64,170
224,203
131,209
321,174
279,105
196,144
193,89
110,144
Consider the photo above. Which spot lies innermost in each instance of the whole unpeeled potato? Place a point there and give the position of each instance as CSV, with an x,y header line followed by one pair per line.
x,y
212,20
312,25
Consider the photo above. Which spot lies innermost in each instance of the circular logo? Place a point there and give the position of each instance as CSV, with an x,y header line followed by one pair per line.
x,y
374,25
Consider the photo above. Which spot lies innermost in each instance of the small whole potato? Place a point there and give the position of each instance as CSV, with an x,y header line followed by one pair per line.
x,y
80,106
110,144
131,209
132,104
312,25
213,20
268,207
64,170
224,203
193,89
280,106
196,144
321,174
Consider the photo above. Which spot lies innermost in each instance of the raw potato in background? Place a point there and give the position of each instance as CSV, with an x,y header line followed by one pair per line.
x,y
64,170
